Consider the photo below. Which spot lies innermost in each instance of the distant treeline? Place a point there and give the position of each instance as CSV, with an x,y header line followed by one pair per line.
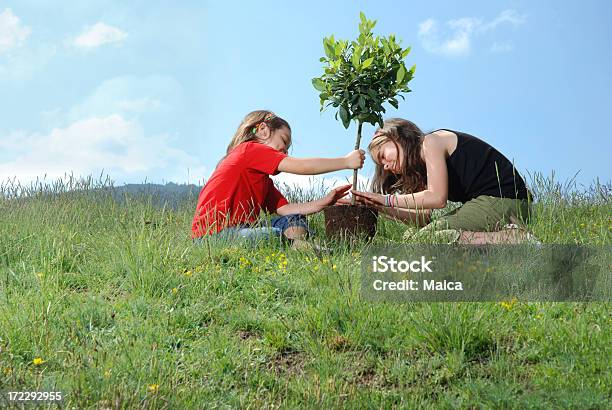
x,y
170,195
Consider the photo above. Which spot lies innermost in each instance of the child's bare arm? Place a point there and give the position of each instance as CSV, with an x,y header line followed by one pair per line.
x,y
307,208
314,166
420,217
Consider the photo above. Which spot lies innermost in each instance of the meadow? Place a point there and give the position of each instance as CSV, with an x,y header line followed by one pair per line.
x,y
111,303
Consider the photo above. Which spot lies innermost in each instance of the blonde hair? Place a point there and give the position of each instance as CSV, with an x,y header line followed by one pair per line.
x,y
407,137
247,128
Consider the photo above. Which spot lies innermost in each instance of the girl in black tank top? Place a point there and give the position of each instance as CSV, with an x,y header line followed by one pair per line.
x,y
416,173
476,168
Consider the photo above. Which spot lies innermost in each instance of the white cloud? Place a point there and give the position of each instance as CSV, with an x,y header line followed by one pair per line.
x,y
507,16
99,34
457,44
454,39
12,33
113,144
127,127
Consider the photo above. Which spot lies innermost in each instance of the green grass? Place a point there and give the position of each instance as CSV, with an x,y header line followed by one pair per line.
x,y
126,312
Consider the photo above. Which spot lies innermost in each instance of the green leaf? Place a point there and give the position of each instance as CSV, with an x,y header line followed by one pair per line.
x,y
356,59
394,103
319,84
338,49
367,62
406,52
401,72
328,45
344,116
362,103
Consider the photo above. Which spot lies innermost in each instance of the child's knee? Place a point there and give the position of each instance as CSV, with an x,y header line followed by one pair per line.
x,y
292,226
295,232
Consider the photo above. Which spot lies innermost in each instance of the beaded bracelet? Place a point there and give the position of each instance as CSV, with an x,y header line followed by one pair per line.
x,y
389,200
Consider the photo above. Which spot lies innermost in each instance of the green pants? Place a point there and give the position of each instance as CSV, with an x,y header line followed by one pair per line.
x,y
484,213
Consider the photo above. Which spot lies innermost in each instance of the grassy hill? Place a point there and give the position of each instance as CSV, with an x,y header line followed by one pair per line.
x,y
109,302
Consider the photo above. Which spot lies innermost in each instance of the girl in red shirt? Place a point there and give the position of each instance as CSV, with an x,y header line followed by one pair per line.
x,y
240,187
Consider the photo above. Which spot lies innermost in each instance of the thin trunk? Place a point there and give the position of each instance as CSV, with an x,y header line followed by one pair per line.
x,y
357,143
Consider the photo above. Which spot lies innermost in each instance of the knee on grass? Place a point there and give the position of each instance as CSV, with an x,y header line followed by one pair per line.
x,y
293,227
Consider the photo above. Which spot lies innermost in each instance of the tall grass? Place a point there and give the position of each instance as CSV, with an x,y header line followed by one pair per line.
x,y
126,312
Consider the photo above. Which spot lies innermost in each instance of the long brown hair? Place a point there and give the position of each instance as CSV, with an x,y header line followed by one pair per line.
x,y
245,132
407,137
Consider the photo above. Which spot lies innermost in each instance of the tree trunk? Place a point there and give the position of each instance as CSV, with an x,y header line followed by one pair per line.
x,y
357,143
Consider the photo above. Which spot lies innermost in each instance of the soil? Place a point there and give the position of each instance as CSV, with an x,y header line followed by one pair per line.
x,y
350,221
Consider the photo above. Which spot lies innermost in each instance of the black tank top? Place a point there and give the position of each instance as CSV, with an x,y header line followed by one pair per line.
x,y
475,168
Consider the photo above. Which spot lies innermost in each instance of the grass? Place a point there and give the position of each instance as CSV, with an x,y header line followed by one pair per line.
x,y
114,306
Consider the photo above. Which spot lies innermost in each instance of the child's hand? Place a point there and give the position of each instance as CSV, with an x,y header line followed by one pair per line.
x,y
334,195
360,200
369,198
354,159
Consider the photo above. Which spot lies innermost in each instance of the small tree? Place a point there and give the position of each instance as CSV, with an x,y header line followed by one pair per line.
x,y
362,75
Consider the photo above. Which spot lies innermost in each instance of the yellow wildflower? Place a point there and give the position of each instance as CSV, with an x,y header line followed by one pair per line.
x,y
508,304
153,388
38,361
8,371
174,290
188,273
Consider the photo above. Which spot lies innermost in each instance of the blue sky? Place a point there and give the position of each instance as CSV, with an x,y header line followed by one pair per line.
x,y
154,90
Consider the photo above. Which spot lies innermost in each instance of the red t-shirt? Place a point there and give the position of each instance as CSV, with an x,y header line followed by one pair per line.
x,y
238,189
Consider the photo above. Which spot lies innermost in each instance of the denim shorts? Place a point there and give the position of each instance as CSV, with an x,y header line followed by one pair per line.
x,y
275,229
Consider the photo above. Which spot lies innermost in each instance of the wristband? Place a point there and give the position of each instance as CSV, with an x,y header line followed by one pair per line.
x,y
389,200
